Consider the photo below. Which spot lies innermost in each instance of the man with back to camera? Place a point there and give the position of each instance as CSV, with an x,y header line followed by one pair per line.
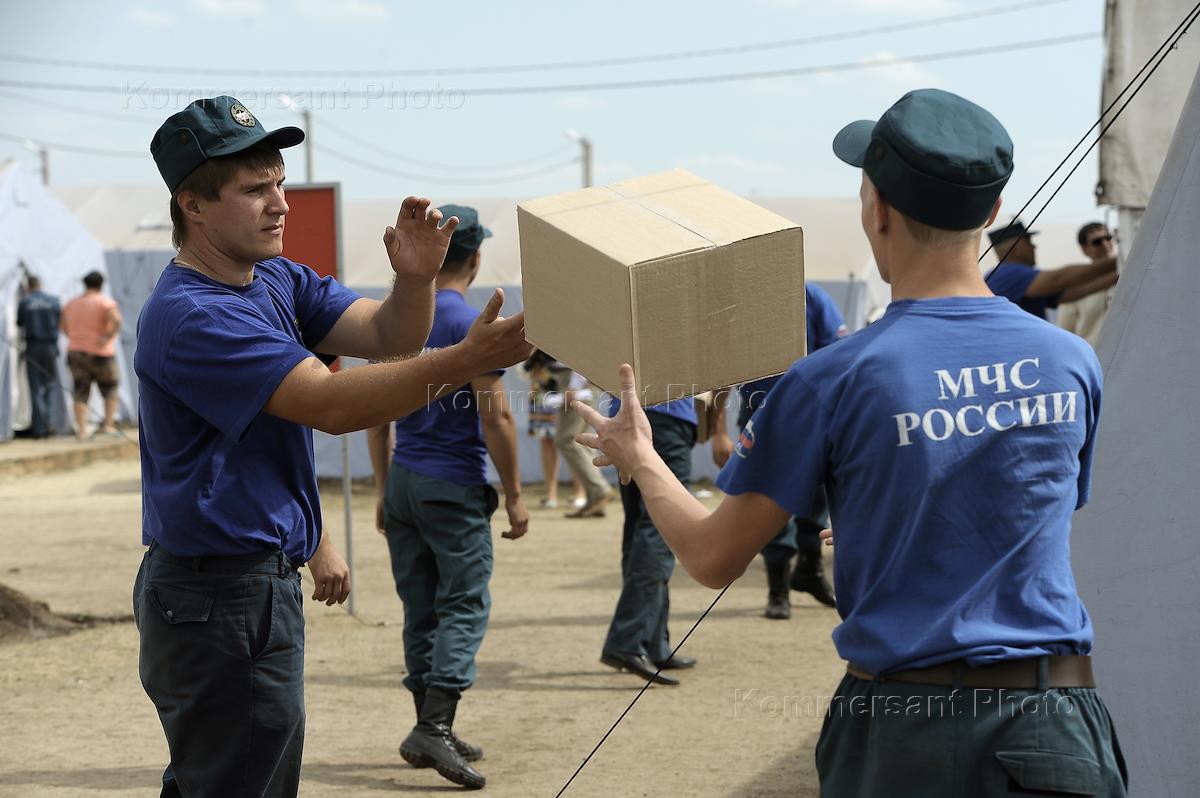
x,y
230,387
91,322
1085,317
954,437
1017,277
436,513
38,315
800,537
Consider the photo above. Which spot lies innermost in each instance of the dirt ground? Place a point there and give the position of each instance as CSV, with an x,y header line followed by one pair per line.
x,y
744,722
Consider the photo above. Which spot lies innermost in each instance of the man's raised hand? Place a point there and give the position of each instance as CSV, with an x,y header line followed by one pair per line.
x,y
624,440
495,342
416,246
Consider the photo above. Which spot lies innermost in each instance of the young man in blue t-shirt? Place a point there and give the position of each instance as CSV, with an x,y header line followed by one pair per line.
x,y
436,508
954,439
1035,290
799,537
231,359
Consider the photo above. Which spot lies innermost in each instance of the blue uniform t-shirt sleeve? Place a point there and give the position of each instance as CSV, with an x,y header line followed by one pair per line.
x,y
225,361
1011,281
781,453
320,302
1084,484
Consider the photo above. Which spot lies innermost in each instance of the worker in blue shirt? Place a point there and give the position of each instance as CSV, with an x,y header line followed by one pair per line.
x,y
1035,290
800,537
231,360
437,508
638,640
38,315
954,437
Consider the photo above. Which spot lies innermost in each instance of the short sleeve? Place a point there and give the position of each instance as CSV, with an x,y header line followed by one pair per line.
x,y
224,363
320,302
781,453
1011,281
1084,486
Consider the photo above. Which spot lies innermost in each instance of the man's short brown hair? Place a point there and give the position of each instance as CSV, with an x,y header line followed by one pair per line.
x,y
212,175
936,236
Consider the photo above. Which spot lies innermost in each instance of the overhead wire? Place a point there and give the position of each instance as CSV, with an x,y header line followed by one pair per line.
x,y
546,66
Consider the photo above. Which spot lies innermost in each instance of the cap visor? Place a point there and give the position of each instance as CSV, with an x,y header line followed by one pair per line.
x,y
851,142
487,233
285,137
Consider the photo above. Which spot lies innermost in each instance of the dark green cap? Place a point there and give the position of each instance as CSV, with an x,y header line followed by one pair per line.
x,y
209,129
934,156
469,234
1010,231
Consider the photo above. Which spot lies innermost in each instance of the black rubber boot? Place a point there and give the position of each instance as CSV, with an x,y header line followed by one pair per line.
x,y
431,742
471,753
809,577
779,608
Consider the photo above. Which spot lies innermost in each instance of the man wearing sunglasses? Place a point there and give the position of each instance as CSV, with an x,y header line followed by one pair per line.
x,y
1086,316
1018,278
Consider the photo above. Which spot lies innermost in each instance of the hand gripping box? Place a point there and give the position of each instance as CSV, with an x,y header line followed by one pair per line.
x,y
694,286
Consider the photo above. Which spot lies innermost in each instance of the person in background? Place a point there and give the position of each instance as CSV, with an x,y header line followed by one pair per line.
x,y
1035,290
437,517
578,458
38,315
800,537
544,408
91,323
1085,317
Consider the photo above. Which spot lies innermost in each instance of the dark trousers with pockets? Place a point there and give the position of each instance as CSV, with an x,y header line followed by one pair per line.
x,y
439,536
41,366
639,623
222,658
905,740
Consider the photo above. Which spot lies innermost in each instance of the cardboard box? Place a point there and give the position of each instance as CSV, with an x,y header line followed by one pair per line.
x,y
694,286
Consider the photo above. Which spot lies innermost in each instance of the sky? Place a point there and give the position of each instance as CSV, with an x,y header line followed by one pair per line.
x,y
384,132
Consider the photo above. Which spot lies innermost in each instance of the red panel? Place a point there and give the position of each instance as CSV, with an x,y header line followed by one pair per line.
x,y
311,228
310,231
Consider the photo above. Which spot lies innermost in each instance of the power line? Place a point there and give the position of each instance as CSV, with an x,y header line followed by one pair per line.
x,y
500,167
680,55
494,91
75,148
378,168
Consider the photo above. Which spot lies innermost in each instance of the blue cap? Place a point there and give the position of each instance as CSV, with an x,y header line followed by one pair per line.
x,y
1015,229
210,129
934,156
469,234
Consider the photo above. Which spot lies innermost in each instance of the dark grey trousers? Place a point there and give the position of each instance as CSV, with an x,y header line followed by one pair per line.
x,y
222,658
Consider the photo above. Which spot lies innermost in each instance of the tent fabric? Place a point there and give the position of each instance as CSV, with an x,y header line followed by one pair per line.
x,y
1136,552
36,230
1132,151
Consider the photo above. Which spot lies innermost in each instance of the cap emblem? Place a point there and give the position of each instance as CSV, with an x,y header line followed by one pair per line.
x,y
241,115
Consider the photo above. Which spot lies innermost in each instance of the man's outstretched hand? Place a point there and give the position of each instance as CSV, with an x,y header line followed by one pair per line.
x,y
625,439
494,342
416,246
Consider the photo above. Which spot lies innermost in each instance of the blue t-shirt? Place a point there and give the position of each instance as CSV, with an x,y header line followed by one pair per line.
x,y
825,326
38,315
444,439
682,409
954,438
219,476
1011,280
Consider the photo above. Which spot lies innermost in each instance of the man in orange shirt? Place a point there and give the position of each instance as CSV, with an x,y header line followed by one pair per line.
x,y
91,323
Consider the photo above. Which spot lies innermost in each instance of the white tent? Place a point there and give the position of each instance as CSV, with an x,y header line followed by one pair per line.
x,y
1133,150
1136,553
38,234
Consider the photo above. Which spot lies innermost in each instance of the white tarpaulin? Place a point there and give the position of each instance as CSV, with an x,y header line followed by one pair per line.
x,y
1136,551
37,231
1132,151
